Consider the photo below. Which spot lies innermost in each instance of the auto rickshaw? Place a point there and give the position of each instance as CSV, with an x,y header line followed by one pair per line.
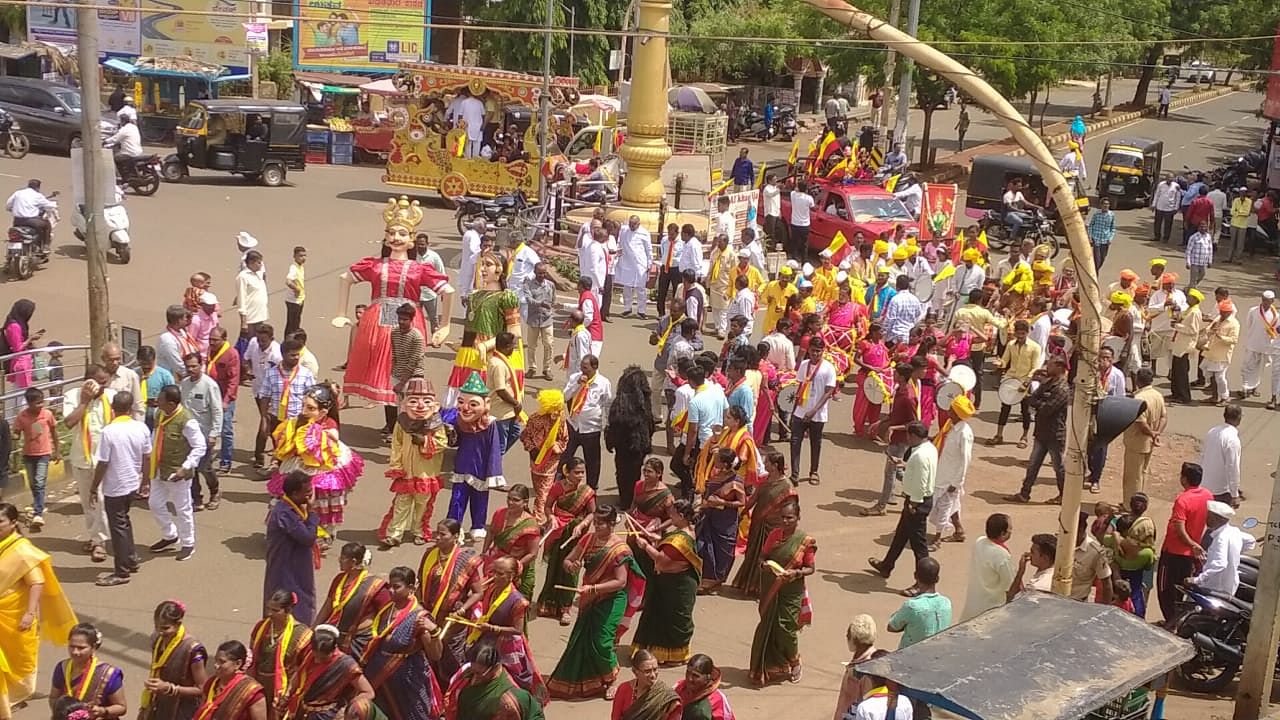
x,y
1130,169
259,139
990,175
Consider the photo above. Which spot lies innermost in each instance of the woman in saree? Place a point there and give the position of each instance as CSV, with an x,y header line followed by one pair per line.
x,y
666,625
846,321
871,357
788,559
448,575
500,615
722,501
767,398
32,608
172,689
736,436
354,597
648,512
589,664
569,507
482,690
397,659
513,533
700,695
763,507
230,694
329,680
84,678
646,697
545,437
277,642
310,443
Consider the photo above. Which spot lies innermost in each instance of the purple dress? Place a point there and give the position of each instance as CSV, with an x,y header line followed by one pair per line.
x,y
477,468
290,559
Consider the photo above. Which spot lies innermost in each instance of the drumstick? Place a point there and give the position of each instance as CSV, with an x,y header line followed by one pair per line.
x,y
568,542
566,587
460,621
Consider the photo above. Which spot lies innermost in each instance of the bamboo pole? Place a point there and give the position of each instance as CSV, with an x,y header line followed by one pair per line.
x,y
1090,323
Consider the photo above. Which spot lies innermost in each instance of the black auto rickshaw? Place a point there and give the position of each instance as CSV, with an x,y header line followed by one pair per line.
x,y
259,139
989,175
1130,169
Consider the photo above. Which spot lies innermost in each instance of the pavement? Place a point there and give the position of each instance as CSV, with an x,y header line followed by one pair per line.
x,y
335,213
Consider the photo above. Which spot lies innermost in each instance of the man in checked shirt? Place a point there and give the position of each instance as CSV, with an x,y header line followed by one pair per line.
x,y
280,394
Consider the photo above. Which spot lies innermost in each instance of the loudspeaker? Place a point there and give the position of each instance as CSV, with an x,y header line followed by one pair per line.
x,y
1114,415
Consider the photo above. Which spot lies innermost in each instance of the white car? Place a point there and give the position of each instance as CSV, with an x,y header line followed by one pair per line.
x,y
1199,71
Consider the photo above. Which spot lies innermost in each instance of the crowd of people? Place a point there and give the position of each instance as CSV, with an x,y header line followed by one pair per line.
x,y
447,637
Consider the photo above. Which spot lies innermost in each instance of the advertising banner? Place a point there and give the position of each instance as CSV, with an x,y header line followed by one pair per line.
x,y
333,36
57,25
255,38
216,39
938,210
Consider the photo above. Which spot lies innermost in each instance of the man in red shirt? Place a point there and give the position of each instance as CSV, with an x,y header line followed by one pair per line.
x,y
1182,550
1200,210
224,367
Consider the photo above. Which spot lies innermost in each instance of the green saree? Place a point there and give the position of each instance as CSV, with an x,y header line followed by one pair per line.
x,y
769,499
666,625
495,698
589,664
775,647
566,510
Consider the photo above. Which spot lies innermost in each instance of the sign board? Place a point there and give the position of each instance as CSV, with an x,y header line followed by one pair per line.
x,y
255,38
615,59
743,205
334,34
118,28
215,39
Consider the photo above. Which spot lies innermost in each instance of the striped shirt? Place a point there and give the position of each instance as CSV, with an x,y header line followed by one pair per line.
x,y
1102,227
273,389
1200,250
901,314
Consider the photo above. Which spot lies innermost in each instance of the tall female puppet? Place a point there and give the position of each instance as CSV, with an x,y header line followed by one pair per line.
x,y
491,308
394,280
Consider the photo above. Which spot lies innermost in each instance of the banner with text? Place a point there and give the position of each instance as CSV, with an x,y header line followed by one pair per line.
x,y
216,39
336,34
56,25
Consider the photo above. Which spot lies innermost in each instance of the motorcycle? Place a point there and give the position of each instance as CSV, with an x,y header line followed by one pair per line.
x,y
501,211
142,173
753,124
1217,625
116,218
16,144
1039,230
24,249
784,123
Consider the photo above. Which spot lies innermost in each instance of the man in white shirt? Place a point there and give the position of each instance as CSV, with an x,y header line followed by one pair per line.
x,y
178,446
588,395
991,568
955,448
85,411
1221,570
726,222
524,258
911,196
1165,200
635,257
1220,457
467,260
874,705
1218,197
593,260
691,258
919,478
1260,337
122,379
755,252
262,353
782,352
26,206
127,142
127,111
801,205
471,110
772,209
1015,209
1165,96
1161,305
202,397
579,340
743,302
251,293
121,459
817,378
1041,325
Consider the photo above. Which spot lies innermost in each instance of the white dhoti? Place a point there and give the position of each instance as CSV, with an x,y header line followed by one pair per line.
x,y
1252,367
1160,346
1216,373
945,506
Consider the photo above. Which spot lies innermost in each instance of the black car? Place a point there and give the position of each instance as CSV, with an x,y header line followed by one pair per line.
x,y
48,112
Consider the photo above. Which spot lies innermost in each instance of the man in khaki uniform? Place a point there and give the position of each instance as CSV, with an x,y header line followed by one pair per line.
x,y
1142,437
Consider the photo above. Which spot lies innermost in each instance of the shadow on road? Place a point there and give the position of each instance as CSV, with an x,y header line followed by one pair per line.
x,y
249,547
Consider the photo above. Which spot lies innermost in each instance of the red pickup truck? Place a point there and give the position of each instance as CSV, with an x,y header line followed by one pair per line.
x,y
850,208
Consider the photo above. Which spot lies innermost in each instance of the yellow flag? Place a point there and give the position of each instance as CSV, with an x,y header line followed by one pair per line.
x,y
837,243
891,183
795,152
947,271
982,240
599,141
720,188
760,180
842,165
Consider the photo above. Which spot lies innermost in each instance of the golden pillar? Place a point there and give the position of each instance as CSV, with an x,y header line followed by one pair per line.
x,y
646,149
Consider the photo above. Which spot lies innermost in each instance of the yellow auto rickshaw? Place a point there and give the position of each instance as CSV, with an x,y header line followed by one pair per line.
x,y
1130,169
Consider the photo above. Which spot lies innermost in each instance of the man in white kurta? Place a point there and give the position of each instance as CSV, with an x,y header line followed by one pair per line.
x,y
956,448
1260,336
635,256
472,111
470,251
1161,305
593,259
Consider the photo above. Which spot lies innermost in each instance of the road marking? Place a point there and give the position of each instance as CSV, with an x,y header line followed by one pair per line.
x,y
1144,118
9,176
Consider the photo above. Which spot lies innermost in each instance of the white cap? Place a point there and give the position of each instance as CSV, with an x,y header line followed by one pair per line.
x,y
744,253
825,254
793,264
806,269
1268,295
1221,509
246,241
842,277
208,298
804,284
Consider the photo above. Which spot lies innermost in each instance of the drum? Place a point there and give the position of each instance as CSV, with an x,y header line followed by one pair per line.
x,y
964,376
922,288
839,360
787,397
947,394
874,389
1012,391
1116,343
1062,317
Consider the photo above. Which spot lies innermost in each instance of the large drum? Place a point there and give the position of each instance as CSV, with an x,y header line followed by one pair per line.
x,y
787,396
876,389
964,376
1013,391
840,360
922,288
947,394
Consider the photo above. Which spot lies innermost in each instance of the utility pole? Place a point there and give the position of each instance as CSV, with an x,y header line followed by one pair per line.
x,y
631,19
890,62
1254,691
91,137
904,79
544,99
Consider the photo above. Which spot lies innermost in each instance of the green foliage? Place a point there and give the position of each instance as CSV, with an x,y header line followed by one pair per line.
x,y
277,67
524,51
13,22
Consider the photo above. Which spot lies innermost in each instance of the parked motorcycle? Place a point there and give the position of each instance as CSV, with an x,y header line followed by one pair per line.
x,y
141,173
784,122
1040,230
116,218
24,250
1217,625
498,212
753,125
16,144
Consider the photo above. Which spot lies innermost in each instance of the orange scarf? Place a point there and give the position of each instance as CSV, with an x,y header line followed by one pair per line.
x,y
282,413
802,397
580,399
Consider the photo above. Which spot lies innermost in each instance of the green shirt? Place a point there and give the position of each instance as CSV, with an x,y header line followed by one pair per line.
x,y
921,617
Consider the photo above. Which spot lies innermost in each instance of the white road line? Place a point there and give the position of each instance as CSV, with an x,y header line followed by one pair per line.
x,y
1118,128
9,176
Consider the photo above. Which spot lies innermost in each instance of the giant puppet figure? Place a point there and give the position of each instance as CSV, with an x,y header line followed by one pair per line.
x,y
394,280
477,466
491,308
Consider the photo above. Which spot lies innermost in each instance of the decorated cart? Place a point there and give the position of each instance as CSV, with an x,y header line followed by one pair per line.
x,y
432,149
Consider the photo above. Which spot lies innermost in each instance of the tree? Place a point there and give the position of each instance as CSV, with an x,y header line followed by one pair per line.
x,y
13,22
931,90
523,51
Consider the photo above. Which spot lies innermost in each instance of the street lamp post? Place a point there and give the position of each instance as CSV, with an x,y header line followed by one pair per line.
x,y
544,100
573,23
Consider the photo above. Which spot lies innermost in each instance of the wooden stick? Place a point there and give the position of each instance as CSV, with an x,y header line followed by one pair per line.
x,y
566,587
460,621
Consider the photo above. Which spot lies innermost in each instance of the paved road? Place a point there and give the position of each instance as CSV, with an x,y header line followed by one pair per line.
x,y
335,213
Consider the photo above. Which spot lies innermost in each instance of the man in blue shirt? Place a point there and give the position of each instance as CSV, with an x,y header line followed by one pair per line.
x,y
743,172
1102,230
1191,193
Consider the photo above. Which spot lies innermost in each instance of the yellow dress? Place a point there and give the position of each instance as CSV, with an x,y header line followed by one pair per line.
x,y
23,565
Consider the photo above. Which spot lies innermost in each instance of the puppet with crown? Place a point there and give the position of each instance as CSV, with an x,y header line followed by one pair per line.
x,y
394,279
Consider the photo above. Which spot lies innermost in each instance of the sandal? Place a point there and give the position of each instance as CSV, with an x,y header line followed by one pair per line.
x,y
955,538
876,510
995,441
564,620
1022,444
797,672
813,479
111,580
98,554
1094,488
213,502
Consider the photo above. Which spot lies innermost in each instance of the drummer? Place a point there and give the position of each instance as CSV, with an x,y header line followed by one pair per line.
x,y
917,265
1163,302
983,324
1020,360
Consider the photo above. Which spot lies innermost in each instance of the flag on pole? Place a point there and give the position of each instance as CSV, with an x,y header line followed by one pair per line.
x,y
795,153
839,247
842,165
760,180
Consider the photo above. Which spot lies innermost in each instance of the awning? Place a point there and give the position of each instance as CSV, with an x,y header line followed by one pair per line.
x,y
309,78
329,89
15,52
129,68
384,86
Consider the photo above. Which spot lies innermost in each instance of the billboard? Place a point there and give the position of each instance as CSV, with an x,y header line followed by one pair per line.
x,y
216,39
331,36
57,25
